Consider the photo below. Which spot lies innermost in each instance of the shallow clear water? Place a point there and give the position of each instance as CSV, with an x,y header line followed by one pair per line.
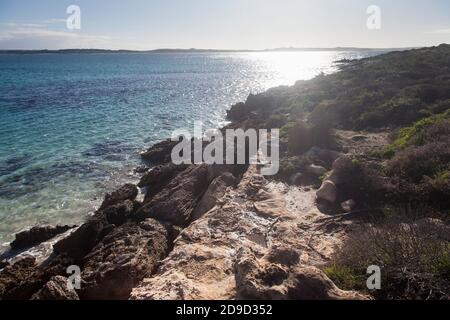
x,y
72,126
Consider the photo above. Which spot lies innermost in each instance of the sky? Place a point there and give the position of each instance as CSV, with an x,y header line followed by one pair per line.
x,y
222,24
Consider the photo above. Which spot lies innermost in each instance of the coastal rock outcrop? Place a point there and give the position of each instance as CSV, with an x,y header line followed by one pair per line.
x,y
119,213
250,245
160,152
25,277
285,279
238,111
122,259
83,239
158,177
116,208
36,235
213,195
13,275
176,202
126,192
201,265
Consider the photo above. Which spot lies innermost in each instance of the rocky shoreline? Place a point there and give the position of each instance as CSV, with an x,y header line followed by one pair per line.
x,y
223,217
225,231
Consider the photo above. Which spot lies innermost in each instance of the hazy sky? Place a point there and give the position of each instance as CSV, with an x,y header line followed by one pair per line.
x,y
224,24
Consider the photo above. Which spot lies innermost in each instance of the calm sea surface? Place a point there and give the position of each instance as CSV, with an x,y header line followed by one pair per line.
x,y
72,126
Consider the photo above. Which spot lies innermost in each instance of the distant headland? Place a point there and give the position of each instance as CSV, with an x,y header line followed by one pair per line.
x,y
192,50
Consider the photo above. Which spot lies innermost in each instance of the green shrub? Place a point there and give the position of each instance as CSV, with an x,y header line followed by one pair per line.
x,y
277,120
413,257
284,131
428,130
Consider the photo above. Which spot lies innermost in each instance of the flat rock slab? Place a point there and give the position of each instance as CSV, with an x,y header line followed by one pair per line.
x,y
248,246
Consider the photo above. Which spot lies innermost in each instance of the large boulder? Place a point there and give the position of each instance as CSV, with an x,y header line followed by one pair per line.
x,y
327,192
119,213
36,235
126,192
117,207
342,168
238,112
316,170
34,276
158,177
83,239
122,259
56,289
160,152
177,201
23,276
214,194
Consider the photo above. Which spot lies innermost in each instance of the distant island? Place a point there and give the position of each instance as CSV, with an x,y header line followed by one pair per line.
x,y
192,50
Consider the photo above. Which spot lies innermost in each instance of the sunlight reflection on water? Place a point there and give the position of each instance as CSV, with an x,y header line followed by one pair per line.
x,y
72,126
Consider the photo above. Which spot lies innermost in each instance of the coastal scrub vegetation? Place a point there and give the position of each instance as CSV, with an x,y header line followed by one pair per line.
x,y
414,259
404,186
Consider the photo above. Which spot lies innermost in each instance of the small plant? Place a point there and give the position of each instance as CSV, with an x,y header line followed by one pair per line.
x,y
346,278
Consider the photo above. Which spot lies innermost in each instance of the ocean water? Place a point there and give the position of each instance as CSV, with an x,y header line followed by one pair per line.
x,y
72,126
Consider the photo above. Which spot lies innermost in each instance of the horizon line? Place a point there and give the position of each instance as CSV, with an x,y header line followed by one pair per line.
x,y
281,49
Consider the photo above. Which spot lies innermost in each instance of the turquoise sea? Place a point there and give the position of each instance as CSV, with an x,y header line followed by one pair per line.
x,y
72,125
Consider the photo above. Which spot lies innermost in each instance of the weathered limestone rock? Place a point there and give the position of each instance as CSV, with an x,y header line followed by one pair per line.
x,y
122,259
158,177
115,210
84,238
160,152
213,195
33,276
262,279
36,235
126,192
119,213
201,265
56,289
310,283
177,201
12,275
250,246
